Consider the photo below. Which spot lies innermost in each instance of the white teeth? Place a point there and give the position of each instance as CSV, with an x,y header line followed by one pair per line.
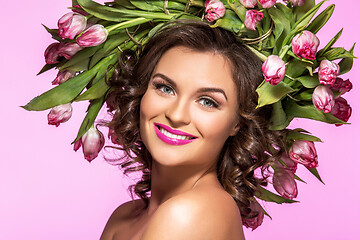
x,y
170,135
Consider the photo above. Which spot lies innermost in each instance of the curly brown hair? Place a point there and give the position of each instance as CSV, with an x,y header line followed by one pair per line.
x,y
252,147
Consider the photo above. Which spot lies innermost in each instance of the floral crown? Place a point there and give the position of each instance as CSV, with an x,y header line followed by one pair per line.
x,y
300,81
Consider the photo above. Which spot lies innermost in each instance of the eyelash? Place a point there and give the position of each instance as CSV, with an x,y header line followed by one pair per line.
x,y
160,87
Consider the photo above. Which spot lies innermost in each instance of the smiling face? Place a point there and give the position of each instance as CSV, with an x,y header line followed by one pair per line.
x,y
189,108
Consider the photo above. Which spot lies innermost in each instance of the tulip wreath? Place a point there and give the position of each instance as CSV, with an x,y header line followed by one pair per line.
x,y
300,80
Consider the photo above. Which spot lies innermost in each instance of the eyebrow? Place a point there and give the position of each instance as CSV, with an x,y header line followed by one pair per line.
x,y
201,90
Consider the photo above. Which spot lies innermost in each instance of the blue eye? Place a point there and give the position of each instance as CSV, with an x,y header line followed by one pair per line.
x,y
208,103
166,89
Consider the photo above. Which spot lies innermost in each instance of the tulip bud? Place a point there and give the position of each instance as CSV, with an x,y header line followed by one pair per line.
x,y
68,50
252,18
79,10
59,114
304,152
284,183
256,216
71,24
305,45
274,69
92,142
341,86
267,3
290,164
93,36
328,71
63,76
52,53
341,110
248,3
214,9
298,2
323,98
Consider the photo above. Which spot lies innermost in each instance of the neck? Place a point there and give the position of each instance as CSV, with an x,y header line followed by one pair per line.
x,y
170,181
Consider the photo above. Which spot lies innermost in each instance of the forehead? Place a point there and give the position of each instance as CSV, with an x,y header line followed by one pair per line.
x,y
209,68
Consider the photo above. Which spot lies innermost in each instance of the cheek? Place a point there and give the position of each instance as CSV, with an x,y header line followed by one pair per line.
x,y
215,127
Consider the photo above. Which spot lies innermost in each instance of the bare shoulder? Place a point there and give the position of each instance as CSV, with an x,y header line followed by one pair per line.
x,y
199,214
118,218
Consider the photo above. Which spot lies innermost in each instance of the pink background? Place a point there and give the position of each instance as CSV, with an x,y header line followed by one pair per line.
x,y
50,192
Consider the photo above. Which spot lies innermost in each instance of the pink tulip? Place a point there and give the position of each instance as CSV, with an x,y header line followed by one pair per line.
x,y
284,183
79,10
341,110
71,25
214,9
93,36
274,69
341,86
63,76
248,3
59,114
304,152
290,164
52,53
298,2
68,50
257,212
92,142
305,45
267,3
328,71
323,98
252,18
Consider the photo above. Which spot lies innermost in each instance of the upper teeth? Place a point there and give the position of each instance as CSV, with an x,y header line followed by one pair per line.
x,y
170,135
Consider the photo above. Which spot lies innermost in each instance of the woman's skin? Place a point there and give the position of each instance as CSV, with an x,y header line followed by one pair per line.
x,y
192,92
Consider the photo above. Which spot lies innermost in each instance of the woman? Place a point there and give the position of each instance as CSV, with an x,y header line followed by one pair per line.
x,y
187,118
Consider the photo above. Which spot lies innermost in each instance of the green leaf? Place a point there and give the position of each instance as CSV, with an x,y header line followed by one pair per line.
x,y
53,32
296,135
316,174
305,19
309,81
239,9
296,68
157,5
268,196
269,94
321,19
97,90
298,178
299,11
336,53
47,67
90,117
125,4
346,63
304,95
119,15
278,117
292,109
281,28
79,59
68,90
230,22
330,44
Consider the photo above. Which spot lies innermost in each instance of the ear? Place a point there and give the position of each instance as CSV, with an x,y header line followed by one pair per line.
x,y
235,129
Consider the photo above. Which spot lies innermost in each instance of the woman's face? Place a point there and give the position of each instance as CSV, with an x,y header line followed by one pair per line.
x,y
189,108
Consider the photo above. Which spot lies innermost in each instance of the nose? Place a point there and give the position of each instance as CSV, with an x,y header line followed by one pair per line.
x,y
178,113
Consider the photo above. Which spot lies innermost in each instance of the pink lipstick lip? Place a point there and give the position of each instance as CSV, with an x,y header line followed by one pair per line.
x,y
169,140
174,131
